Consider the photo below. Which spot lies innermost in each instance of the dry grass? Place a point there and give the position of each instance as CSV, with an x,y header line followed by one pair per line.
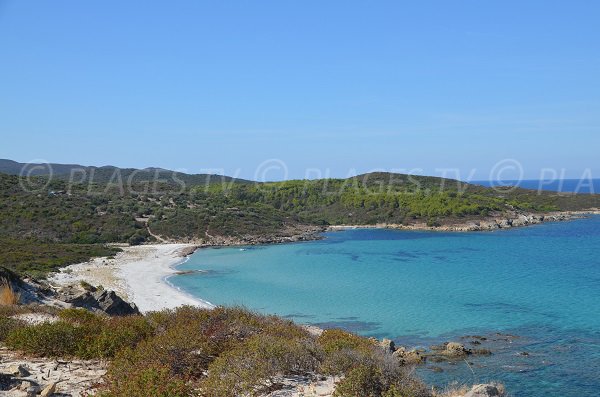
x,y
8,296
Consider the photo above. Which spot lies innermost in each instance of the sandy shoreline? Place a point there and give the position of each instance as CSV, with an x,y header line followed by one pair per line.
x,y
139,274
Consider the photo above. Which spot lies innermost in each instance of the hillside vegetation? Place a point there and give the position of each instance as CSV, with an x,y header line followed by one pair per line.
x,y
80,216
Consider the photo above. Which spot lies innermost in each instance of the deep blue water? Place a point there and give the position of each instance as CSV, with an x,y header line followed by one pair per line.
x,y
540,284
558,185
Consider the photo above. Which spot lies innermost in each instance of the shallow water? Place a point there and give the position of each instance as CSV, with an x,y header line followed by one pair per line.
x,y
541,283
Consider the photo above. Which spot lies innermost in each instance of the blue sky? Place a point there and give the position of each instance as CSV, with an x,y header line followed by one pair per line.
x,y
335,86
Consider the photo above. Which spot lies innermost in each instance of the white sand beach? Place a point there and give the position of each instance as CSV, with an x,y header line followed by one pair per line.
x,y
138,274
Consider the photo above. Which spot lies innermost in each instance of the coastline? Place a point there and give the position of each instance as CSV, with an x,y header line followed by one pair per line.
x,y
139,274
518,219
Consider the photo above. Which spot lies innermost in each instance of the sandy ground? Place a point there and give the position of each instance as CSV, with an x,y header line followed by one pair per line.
x,y
138,274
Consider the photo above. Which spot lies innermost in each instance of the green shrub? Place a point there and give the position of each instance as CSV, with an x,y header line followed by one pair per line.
x,y
80,317
344,351
249,368
333,340
155,381
7,325
185,354
225,352
393,392
362,381
189,341
80,333
184,315
114,335
341,362
48,339
380,378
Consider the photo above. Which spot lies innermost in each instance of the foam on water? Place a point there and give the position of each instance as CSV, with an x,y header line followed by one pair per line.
x,y
541,283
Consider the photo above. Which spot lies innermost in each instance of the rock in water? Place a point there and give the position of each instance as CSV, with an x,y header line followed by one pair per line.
x,y
485,391
454,349
407,357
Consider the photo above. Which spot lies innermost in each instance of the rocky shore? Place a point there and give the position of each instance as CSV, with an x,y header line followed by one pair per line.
x,y
500,221
290,234
299,233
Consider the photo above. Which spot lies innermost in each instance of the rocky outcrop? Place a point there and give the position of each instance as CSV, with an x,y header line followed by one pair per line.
x,y
409,357
493,222
28,290
288,234
400,353
486,390
97,300
447,351
387,345
455,349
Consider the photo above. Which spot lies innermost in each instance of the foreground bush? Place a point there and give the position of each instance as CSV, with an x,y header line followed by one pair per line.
x,y
7,325
58,339
79,333
225,352
362,381
344,351
250,368
155,381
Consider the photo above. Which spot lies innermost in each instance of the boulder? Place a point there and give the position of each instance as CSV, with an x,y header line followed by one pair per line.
x,y
505,223
107,302
521,220
455,349
113,305
388,345
407,357
486,390
17,370
49,390
32,391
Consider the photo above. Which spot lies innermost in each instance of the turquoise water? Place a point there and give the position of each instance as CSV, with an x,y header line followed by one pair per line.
x,y
541,284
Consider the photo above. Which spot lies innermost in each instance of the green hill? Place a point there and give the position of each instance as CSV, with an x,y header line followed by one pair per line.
x,y
146,207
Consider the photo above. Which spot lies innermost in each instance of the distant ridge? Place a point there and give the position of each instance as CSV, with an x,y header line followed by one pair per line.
x,y
105,173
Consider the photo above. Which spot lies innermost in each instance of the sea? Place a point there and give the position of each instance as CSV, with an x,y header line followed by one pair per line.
x,y
581,186
531,295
